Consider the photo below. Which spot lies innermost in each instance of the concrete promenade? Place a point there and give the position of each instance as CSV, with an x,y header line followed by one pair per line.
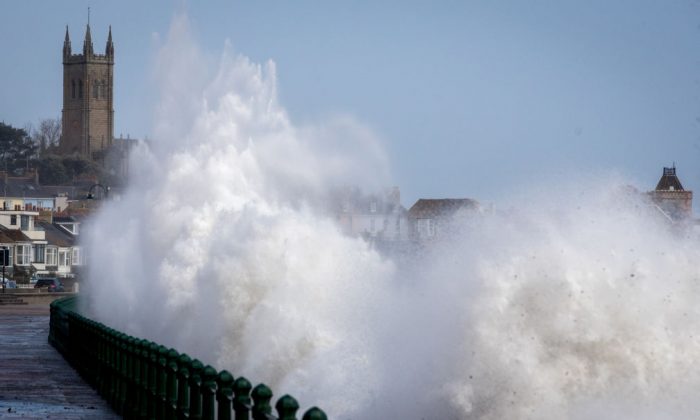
x,y
35,381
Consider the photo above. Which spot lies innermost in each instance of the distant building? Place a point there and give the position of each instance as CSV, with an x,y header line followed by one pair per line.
x,y
63,254
37,247
670,198
25,193
117,159
377,217
88,113
431,219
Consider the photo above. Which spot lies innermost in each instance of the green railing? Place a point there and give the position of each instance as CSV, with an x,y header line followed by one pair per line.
x,y
143,380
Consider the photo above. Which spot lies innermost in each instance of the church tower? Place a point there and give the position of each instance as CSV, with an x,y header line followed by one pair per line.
x,y
670,197
88,112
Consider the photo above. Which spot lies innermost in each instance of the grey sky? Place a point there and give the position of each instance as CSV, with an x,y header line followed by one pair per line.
x,y
473,99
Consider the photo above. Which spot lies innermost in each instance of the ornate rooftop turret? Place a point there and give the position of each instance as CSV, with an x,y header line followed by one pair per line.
x,y
87,44
669,181
66,45
671,198
109,49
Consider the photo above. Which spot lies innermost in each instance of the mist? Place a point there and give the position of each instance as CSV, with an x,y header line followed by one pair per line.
x,y
577,301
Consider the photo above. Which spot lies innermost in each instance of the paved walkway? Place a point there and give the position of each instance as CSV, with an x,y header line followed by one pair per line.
x,y
35,381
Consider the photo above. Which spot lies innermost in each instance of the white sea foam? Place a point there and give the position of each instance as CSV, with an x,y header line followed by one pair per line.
x,y
574,305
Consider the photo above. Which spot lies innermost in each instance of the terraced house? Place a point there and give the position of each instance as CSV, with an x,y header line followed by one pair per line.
x,y
39,248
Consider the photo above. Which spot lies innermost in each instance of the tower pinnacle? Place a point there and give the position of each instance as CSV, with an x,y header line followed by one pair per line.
x,y
109,49
66,45
87,44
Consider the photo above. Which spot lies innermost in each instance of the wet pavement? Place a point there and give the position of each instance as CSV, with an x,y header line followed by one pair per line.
x,y
35,381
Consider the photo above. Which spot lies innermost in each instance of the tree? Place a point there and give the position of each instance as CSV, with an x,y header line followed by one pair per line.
x,y
52,171
14,145
26,154
57,170
19,152
77,165
48,135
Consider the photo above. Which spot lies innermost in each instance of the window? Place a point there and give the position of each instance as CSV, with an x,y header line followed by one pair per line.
x,y
39,253
76,256
373,207
80,88
95,89
24,222
51,256
104,90
13,220
64,258
72,82
23,254
426,228
5,256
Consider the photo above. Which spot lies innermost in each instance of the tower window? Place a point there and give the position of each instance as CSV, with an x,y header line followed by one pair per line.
x,y
104,90
95,89
73,86
80,88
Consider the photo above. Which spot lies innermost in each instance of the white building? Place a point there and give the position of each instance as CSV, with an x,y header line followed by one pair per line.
x,y
38,247
431,219
375,217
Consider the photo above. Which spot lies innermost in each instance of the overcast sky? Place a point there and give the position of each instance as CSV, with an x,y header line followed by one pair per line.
x,y
471,98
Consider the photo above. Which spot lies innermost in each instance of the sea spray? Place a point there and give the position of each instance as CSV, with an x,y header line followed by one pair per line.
x,y
586,300
579,302
217,248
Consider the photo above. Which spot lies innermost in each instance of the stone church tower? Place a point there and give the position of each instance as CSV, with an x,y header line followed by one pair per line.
x,y
670,197
88,113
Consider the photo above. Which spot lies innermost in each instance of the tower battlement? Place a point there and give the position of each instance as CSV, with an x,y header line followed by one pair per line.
x,y
80,58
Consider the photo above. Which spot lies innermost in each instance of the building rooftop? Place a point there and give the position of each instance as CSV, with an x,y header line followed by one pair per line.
x,y
669,181
8,235
56,235
427,208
